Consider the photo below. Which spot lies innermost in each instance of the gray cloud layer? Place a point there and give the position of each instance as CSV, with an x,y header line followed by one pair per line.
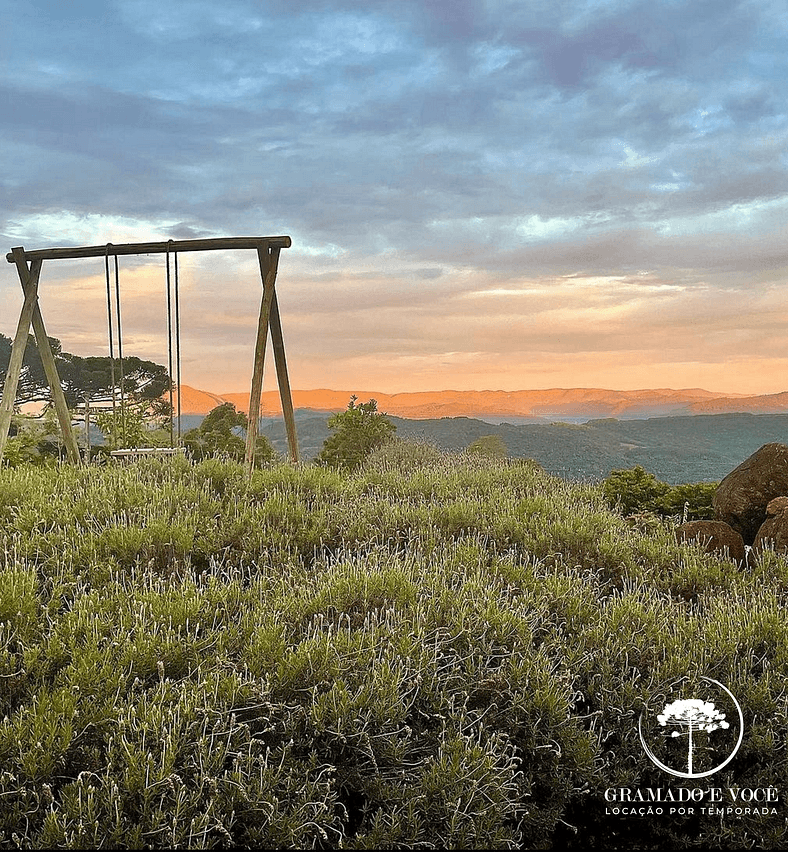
x,y
417,152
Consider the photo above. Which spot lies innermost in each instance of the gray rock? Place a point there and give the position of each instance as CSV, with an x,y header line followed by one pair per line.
x,y
742,497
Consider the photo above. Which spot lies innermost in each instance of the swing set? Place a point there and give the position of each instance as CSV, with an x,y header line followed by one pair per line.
x,y
28,265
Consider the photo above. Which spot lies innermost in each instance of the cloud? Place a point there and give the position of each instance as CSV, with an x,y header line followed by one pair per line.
x,y
420,154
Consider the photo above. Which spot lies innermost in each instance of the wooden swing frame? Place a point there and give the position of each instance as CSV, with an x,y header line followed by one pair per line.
x,y
28,265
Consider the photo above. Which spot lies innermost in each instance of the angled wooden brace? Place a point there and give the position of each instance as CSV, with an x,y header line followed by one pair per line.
x,y
268,257
31,313
277,342
30,288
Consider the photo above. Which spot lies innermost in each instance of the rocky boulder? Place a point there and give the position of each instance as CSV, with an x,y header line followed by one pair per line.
x,y
714,537
773,534
742,497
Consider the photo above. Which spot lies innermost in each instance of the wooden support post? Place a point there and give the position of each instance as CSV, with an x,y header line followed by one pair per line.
x,y
48,360
277,342
30,288
269,260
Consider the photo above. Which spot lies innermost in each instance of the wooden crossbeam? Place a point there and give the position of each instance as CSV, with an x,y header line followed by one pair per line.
x,y
208,244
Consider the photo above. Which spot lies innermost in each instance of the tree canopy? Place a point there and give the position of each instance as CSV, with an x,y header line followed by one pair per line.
x,y
80,378
489,445
218,434
357,432
636,490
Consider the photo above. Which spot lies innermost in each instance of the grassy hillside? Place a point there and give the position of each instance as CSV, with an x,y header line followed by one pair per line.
x,y
436,651
702,448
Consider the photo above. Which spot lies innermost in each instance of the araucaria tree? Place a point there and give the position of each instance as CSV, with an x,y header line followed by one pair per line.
x,y
136,389
693,716
92,378
357,432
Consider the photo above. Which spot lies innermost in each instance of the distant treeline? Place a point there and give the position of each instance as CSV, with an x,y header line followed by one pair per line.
x,y
700,448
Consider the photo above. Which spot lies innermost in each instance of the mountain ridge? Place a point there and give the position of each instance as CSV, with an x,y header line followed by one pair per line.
x,y
535,406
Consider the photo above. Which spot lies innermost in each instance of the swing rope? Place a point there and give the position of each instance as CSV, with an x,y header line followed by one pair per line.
x,y
169,342
109,324
111,340
173,339
178,345
173,301
120,356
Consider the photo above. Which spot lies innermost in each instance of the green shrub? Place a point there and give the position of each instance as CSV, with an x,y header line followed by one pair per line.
x,y
696,496
30,442
489,445
404,456
636,491
357,432
219,435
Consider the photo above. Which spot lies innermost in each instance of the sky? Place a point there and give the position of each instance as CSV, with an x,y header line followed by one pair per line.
x,y
489,195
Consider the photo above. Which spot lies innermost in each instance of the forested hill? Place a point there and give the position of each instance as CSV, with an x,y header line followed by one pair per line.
x,y
675,449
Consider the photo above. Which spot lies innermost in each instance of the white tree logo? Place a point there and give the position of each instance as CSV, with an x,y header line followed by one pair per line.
x,y
693,716
696,719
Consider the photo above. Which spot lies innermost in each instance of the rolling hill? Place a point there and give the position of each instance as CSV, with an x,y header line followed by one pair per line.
x,y
679,435
699,448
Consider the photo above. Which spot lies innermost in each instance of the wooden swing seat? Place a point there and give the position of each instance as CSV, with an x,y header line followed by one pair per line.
x,y
147,451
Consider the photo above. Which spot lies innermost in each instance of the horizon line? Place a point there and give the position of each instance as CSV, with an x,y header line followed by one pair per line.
x,y
725,393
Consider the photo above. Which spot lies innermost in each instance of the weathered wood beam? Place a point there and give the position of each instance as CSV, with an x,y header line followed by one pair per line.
x,y
207,244
14,371
277,342
48,361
